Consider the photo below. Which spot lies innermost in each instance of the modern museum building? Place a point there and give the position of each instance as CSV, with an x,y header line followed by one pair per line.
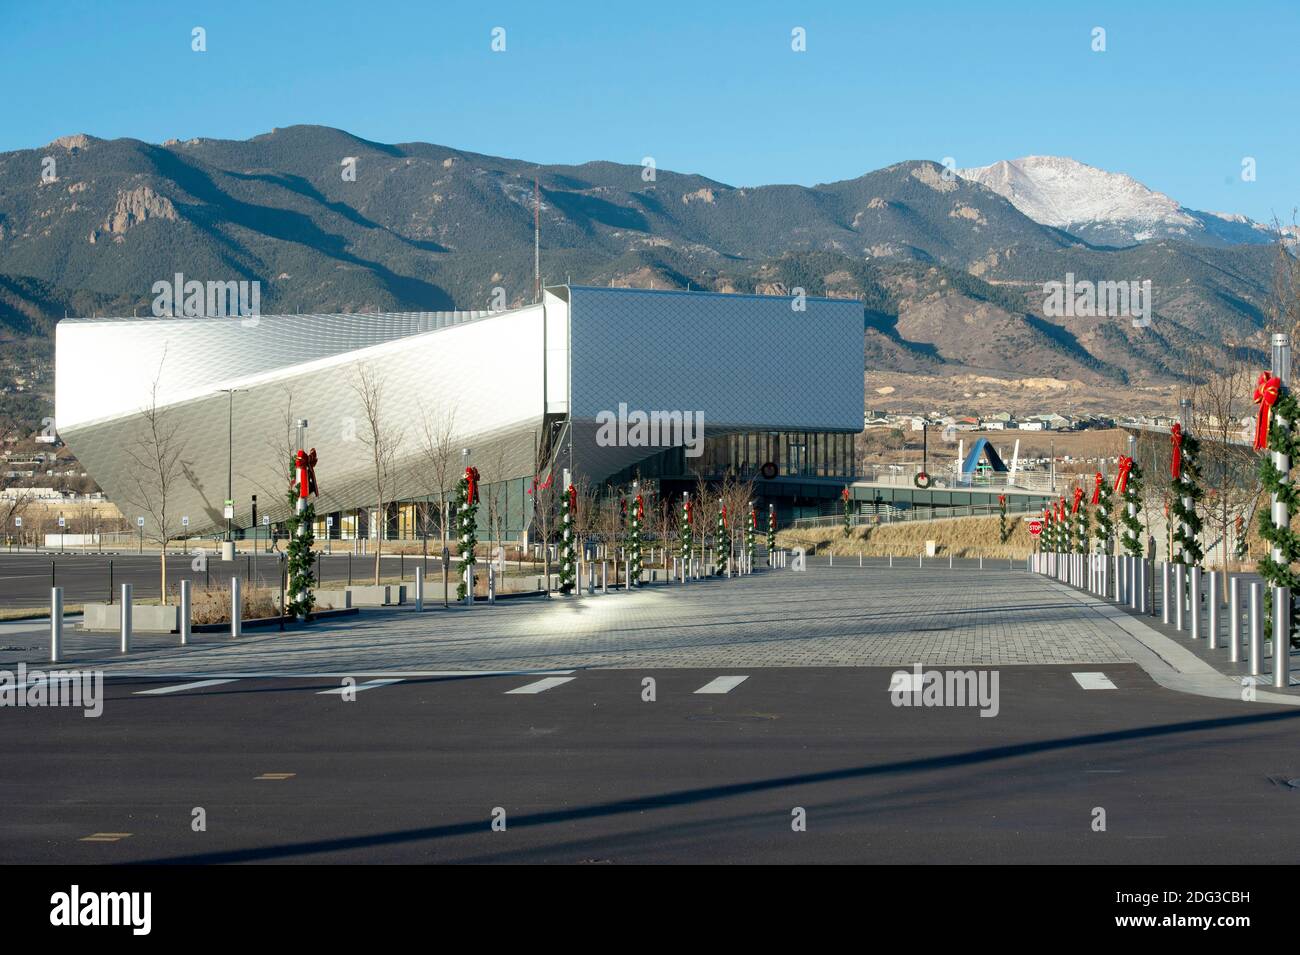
x,y
604,385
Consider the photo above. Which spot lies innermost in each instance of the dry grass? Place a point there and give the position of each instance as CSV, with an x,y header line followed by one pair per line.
x,y
212,604
960,537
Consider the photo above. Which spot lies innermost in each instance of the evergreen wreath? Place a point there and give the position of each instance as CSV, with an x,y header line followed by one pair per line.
x,y
848,520
1186,484
466,504
1003,532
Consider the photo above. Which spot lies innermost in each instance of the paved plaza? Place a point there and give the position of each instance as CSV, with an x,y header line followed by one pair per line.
x,y
826,616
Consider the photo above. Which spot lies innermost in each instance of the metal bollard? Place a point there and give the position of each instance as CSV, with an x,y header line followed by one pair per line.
x,y
419,589
1194,598
1164,593
1234,619
1281,637
1134,600
1180,595
126,618
1212,634
1118,561
56,624
236,608
187,612
1256,628
604,576
469,585
492,583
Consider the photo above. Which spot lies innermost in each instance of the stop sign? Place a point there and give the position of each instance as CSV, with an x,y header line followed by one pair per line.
x,y
1035,528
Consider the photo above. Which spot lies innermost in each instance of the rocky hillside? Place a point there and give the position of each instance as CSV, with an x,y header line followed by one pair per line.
x,y
951,272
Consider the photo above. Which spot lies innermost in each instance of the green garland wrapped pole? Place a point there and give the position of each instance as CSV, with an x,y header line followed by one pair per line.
x,y
1128,485
686,534
1184,468
751,531
466,505
635,519
848,518
1101,502
721,541
771,532
568,508
302,532
1278,411
1003,532
1080,522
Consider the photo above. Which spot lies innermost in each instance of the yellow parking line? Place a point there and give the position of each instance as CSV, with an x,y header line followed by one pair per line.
x,y
105,837
276,776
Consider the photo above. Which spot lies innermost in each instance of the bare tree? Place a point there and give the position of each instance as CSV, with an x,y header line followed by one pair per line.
x,y
437,452
382,440
155,457
1221,404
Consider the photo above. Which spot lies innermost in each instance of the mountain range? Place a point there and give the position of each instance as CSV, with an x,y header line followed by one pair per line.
x,y
950,267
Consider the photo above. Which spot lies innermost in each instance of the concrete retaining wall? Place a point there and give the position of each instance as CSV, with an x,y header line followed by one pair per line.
x,y
145,618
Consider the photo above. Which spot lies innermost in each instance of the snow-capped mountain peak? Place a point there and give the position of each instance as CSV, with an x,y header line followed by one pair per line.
x,y
1061,192
1106,207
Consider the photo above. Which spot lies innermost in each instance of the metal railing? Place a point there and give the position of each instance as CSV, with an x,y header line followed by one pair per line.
x,y
903,515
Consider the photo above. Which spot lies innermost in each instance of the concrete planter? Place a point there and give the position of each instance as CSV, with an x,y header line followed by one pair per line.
x,y
145,618
385,595
337,599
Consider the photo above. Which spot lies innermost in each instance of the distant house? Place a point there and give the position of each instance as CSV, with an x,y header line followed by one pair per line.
x,y
1031,426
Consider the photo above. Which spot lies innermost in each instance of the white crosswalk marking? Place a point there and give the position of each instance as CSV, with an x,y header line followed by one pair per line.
x,y
1093,681
159,691
368,685
723,684
541,686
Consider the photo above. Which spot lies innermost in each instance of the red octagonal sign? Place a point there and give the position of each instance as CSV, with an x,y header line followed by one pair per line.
x,y
1035,528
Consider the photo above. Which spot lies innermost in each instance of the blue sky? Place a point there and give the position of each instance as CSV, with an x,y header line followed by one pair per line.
x,y
1182,93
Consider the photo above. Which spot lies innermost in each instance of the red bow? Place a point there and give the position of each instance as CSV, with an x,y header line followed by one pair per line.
x,y
573,499
1060,509
640,509
1096,489
1176,462
471,485
1121,479
690,514
1078,496
844,495
753,518
305,461
1002,500
771,518
1267,390
723,514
